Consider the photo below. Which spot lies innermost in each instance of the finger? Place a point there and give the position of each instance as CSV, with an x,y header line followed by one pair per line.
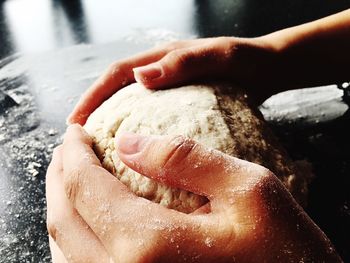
x,y
182,163
73,236
117,76
208,60
80,163
104,203
80,152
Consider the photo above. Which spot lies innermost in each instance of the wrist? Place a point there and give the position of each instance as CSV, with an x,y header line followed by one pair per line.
x,y
266,72
283,68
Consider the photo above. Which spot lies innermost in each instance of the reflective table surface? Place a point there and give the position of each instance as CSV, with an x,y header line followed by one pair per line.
x,y
42,76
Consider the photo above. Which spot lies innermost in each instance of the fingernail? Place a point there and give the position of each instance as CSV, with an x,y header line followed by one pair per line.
x,y
147,73
131,143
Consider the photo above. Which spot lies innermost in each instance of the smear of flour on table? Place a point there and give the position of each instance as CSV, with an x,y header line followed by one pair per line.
x,y
155,36
25,150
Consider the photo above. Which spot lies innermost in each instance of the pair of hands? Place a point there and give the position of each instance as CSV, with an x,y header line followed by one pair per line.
x,y
92,217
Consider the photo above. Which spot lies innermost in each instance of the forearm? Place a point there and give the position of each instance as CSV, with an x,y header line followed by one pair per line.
x,y
314,53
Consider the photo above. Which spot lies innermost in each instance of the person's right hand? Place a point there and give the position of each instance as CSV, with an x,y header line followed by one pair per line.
x,y
251,218
248,62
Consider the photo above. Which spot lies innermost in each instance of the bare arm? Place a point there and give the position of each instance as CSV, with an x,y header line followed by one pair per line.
x,y
307,55
314,53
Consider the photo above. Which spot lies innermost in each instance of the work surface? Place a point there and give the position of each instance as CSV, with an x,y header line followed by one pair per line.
x,y
38,91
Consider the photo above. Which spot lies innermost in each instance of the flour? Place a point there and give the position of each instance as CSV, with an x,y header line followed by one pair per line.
x,y
139,110
26,146
199,112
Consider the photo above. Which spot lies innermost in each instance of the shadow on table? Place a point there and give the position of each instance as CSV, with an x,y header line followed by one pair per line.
x,y
6,46
74,11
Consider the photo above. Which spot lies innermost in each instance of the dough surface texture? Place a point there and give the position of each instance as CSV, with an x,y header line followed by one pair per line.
x,y
215,116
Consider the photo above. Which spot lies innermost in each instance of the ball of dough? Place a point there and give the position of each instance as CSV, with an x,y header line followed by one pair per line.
x,y
217,116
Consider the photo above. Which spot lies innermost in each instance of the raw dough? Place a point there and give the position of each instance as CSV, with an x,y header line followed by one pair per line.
x,y
216,116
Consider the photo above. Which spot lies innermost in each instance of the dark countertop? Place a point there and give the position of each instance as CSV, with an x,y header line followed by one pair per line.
x,y
37,91
41,25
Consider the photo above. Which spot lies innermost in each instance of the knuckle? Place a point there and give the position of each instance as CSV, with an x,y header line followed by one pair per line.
x,y
229,46
76,134
255,177
223,40
181,59
118,69
173,45
262,176
180,149
263,172
113,67
73,182
52,229
265,185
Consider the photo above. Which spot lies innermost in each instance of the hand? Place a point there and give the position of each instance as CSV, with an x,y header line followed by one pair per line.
x,y
77,242
251,217
311,54
248,62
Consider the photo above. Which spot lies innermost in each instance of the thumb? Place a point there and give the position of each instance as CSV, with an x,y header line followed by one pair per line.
x,y
180,162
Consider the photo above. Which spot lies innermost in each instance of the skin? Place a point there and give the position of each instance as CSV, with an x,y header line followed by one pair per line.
x,y
92,217
310,54
77,241
95,218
